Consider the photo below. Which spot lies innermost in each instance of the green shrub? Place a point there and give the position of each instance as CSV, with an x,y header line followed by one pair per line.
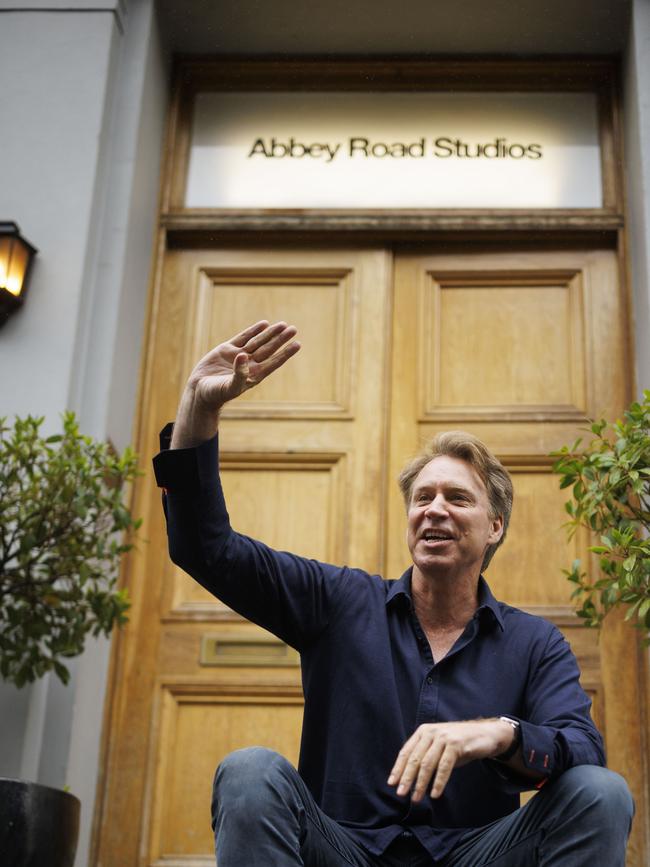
x,y
610,497
63,530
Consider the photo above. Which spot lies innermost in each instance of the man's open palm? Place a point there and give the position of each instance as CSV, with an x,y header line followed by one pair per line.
x,y
225,372
242,362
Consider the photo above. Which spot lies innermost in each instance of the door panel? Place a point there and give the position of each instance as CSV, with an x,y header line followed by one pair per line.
x,y
205,722
517,347
323,301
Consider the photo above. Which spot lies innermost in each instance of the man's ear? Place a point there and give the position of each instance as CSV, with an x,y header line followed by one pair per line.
x,y
496,529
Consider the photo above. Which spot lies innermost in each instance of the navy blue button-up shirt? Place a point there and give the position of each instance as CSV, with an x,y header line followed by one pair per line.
x,y
369,678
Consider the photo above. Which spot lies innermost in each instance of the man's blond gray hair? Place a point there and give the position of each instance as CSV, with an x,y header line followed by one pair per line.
x,y
467,447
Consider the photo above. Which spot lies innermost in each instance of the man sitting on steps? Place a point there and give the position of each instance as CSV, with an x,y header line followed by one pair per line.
x,y
429,706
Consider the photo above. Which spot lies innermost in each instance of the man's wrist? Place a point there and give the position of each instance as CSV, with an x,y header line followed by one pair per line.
x,y
194,425
515,743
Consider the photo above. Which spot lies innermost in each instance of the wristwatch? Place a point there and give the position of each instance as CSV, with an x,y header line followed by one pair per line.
x,y
516,741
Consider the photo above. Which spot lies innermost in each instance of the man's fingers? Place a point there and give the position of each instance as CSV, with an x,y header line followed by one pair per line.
x,y
262,338
422,758
411,769
428,766
273,342
446,765
276,360
402,758
244,336
240,366
413,763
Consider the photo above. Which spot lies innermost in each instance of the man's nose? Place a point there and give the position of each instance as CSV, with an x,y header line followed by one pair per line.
x,y
437,506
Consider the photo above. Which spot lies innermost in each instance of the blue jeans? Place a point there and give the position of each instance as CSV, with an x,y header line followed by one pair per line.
x,y
263,814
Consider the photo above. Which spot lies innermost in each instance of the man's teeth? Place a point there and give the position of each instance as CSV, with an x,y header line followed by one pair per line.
x,y
435,536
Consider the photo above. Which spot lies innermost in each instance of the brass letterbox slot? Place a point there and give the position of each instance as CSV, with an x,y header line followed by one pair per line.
x,y
229,649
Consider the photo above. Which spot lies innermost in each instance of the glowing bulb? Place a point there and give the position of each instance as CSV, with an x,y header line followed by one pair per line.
x,y
13,285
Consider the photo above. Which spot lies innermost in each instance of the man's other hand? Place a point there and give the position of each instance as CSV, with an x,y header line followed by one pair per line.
x,y
435,749
226,372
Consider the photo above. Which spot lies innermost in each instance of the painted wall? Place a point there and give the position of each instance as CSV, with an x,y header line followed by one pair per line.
x,y
80,175
59,65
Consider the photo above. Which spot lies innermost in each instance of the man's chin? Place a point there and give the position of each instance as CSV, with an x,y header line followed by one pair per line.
x,y
435,565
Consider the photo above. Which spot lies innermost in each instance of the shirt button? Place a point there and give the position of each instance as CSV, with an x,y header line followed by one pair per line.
x,y
429,680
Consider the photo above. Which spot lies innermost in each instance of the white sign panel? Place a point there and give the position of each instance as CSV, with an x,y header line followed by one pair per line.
x,y
394,150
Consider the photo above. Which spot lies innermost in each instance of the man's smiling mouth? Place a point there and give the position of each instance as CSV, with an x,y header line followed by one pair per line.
x,y
436,536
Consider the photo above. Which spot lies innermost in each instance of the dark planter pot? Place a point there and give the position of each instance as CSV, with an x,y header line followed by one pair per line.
x,y
39,826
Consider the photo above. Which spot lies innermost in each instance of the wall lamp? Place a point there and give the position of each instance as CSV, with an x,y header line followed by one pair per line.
x,y
16,255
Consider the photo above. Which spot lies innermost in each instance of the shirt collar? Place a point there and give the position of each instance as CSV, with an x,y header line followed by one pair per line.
x,y
486,601
401,589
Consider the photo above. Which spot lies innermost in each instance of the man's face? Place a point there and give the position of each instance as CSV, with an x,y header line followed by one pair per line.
x,y
449,523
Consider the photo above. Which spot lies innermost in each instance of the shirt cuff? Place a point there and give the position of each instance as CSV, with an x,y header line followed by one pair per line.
x,y
165,436
538,748
538,751
184,469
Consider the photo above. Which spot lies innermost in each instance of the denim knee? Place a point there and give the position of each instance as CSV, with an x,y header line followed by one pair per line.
x,y
244,776
600,789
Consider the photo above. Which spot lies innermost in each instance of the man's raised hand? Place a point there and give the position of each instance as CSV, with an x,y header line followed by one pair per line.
x,y
226,372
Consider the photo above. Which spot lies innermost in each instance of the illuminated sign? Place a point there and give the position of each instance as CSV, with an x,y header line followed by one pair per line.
x,y
394,150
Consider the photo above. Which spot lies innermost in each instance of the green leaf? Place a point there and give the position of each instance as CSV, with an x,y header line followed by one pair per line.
x,y
629,563
61,672
632,610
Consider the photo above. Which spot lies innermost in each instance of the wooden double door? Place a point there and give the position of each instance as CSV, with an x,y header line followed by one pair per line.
x,y
516,346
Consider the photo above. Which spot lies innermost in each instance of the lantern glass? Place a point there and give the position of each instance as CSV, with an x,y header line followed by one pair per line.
x,y
5,256
14,257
